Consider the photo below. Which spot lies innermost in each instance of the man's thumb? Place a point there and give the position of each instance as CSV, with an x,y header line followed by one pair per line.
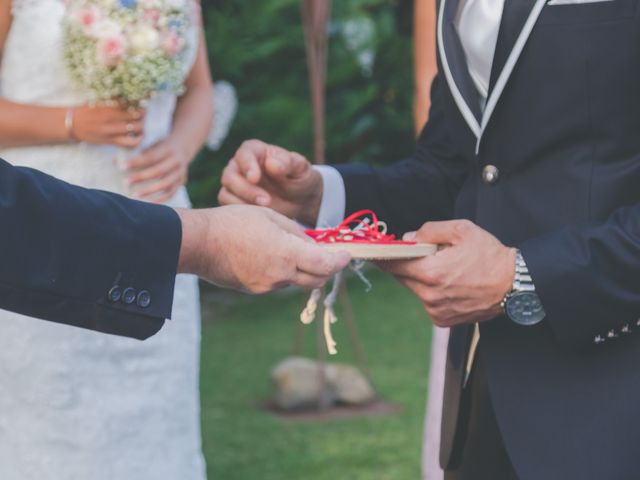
x,y
442,233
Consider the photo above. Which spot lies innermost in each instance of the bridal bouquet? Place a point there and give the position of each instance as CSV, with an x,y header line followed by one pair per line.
x,y
128,49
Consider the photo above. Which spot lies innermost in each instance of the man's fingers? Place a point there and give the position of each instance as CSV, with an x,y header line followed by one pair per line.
x,y
239,185
313,259
280,163
422,270
225,197
249,158
445,233
286,224
306,280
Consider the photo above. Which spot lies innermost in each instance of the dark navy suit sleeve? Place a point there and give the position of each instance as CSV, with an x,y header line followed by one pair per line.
x,y
86,258
418,189
587,276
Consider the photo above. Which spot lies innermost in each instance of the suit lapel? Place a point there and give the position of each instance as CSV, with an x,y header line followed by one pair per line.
x,y
518,20
514,16
454,66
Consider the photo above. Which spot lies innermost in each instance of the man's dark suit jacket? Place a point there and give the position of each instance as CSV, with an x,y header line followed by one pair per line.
x,y
85,258
562,125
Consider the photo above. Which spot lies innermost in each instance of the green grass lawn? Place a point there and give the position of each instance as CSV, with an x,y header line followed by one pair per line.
x,y
243,337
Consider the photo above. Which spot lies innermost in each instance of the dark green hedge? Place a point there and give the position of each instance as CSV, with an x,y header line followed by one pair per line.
x,y
258,46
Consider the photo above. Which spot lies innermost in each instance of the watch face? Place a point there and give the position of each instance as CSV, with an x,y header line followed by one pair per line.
x,y
525,308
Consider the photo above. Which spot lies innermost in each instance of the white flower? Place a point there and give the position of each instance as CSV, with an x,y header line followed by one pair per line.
x,y
149,3
106,28
177,4
108,3
144,39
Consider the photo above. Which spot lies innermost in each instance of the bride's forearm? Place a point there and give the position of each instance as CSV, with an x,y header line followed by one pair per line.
x,y
194,111
192,119
24,125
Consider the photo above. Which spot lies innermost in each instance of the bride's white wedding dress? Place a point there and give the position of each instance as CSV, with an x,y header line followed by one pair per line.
x,y
74,404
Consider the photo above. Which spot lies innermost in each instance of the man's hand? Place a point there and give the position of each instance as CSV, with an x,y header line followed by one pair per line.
x,y
252,249
466,280
270,176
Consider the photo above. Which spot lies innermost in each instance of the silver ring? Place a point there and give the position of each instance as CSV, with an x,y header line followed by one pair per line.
x,y
129,128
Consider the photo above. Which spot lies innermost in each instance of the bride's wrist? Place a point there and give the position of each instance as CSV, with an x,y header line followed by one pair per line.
x,y
183,149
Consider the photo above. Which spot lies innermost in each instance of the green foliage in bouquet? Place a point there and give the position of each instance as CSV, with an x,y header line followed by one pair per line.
x,y
258,46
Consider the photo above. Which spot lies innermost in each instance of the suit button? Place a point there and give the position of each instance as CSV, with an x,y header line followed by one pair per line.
x,y
129,296
115,294
490,174
144,299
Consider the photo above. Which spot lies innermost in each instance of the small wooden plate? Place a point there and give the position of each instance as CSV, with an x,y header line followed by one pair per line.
x,y
378,251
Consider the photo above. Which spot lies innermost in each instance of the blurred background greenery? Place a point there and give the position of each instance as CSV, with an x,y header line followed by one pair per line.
x,y
244,337
258,46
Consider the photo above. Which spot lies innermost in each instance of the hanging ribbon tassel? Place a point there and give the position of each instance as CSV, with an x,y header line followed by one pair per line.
x,y
309,313
329,313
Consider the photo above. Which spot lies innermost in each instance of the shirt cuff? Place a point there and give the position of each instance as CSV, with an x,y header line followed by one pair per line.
x,y
333,204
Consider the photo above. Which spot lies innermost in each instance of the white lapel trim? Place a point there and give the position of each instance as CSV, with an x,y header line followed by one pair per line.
x,y
509,65
457,96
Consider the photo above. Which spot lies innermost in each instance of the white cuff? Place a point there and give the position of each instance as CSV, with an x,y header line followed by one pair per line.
x,y
334,203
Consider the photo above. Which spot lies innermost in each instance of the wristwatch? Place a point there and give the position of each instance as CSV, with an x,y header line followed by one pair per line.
x,y
522,304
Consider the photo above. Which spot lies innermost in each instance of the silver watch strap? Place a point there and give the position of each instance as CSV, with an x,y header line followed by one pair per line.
x,y
522,281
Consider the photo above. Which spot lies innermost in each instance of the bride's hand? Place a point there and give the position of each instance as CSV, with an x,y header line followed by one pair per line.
x,y
106,125
163,168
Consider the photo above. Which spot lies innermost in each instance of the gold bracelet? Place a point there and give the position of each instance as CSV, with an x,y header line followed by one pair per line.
x,y
68,124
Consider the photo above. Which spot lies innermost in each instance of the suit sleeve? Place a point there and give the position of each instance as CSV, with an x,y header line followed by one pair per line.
x,y
427,182
587,277
85,258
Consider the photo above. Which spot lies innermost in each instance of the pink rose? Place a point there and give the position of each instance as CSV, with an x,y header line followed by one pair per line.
x,y
152,16
111,50
172,43
87,18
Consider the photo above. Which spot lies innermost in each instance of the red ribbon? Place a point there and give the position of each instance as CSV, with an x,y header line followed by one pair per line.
x,y
356,228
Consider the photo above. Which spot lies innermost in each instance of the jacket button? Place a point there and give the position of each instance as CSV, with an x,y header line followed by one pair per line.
x,y
115,294
129,296
144,299
490,174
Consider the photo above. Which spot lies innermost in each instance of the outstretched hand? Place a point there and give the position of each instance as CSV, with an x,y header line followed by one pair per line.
x,y
270,176
465,281
253,249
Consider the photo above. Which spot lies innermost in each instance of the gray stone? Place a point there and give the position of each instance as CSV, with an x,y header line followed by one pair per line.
x,y
298,384
351,386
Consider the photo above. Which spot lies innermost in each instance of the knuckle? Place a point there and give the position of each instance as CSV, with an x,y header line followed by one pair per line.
x,y
248,144
463,226
434,276
438,322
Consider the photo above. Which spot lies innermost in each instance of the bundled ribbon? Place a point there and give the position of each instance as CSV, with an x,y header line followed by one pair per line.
x,y
366,230
361,227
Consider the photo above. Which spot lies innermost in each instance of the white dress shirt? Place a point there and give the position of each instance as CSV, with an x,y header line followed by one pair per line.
x,y
477,23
